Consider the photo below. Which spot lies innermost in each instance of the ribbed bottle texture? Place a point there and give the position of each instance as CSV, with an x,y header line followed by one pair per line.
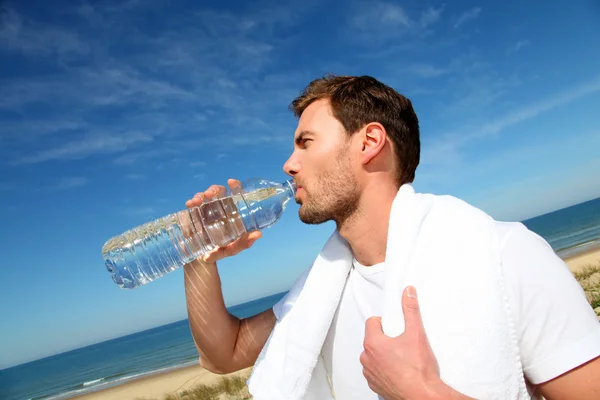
x,y
147,252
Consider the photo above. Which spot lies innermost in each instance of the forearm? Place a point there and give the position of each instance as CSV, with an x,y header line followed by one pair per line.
x,y
213,329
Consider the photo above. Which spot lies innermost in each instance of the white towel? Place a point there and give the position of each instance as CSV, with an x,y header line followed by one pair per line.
x,y
448,250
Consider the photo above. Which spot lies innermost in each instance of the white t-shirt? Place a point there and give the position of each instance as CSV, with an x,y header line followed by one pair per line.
x,y
557,328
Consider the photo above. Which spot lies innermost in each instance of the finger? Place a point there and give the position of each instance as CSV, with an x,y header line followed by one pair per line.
x,y
244,243
235,186
254,235
412,312
373,327
196,200
214,191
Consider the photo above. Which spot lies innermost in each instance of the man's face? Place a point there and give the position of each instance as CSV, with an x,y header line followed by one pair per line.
x,y
322,166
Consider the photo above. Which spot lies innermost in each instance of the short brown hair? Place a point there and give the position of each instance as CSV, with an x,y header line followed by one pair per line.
x,y
359,100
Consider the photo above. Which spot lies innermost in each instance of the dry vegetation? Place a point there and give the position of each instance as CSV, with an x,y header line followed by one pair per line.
x,y
589,279
229,388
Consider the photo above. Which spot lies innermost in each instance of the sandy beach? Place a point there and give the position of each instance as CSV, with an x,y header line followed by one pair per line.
x,y
582,259
160,385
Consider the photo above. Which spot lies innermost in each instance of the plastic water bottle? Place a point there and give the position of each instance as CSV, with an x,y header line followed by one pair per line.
x,y
147,252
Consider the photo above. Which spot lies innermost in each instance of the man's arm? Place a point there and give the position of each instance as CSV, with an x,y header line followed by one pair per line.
x,y
581,383
224,342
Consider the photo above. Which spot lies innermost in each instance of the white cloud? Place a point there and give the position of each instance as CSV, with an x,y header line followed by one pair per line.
x,y
518,46
92,145
134,157
533,110
445,149
22,35
467,16
31,130
427,70
475,85
202,64
377,21
430,16
381,14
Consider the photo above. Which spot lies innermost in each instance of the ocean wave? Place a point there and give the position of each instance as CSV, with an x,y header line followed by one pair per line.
x,y
108,382
564,238
85,384
578,248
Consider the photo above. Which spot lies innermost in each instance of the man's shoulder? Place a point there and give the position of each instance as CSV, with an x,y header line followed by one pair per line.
x,y
516,237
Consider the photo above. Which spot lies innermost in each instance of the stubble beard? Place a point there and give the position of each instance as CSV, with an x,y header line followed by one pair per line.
x,y
335,197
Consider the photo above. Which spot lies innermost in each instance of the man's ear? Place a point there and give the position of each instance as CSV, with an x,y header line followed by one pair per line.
x,y
373,139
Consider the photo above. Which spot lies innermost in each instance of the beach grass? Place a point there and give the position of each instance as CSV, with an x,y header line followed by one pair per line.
x,y
228,388
589,279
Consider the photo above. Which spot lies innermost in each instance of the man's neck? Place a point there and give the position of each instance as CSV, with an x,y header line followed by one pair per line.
x,y
366,230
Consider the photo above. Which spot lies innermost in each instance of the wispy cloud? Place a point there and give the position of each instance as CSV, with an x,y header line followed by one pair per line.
x,y
204,59
136,156
93,145
467,16
20,34
518,46
426,70
446,148
535,109
26,129
385,20
430,16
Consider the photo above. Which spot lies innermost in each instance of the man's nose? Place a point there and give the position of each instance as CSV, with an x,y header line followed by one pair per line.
x,y
291,166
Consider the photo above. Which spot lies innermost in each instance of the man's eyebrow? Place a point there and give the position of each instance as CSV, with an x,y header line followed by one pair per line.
x,y
303,134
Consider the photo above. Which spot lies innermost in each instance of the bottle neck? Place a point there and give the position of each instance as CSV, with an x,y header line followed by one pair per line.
x,y
291,185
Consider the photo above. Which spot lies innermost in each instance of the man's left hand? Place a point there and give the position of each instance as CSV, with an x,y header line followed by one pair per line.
x,y
404,367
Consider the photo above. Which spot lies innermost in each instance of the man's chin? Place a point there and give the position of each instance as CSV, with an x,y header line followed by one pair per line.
x,y
310,219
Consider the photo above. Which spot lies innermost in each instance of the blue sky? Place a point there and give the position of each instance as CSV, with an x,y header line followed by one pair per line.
x,y
115,113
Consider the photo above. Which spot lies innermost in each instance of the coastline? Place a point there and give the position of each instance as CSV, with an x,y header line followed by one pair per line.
x,y
581,256
158,385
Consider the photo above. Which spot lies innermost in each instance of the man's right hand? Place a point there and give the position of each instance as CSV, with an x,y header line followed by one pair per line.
x,y
243,243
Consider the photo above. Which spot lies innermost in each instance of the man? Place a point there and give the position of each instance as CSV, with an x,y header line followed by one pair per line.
x,y
357,142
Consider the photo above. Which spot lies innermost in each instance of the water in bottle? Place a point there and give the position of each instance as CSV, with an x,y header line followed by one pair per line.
x,y
147,252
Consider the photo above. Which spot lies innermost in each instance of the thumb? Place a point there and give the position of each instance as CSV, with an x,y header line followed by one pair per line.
x,y
373,327
411,310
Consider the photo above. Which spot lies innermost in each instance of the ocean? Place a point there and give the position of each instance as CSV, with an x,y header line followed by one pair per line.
x,y
171,346
569,230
